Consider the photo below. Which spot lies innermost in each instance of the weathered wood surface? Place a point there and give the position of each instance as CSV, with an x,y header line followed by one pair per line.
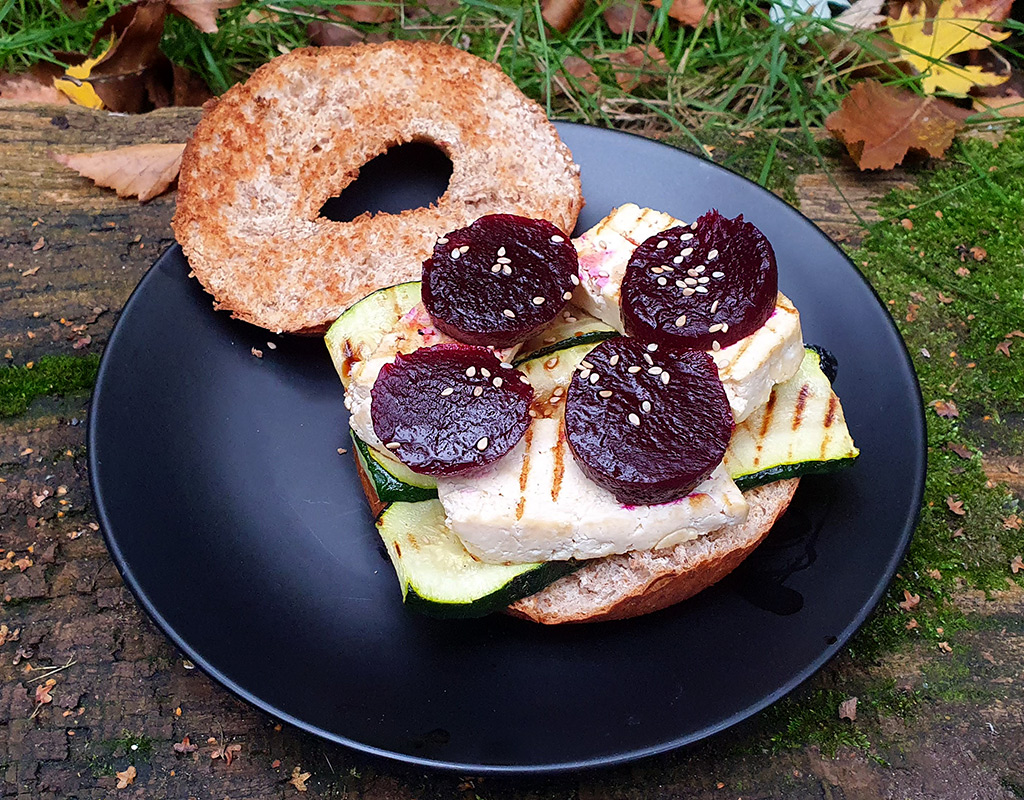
x,y
126,684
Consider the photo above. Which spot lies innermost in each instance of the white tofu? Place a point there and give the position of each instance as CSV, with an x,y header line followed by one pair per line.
x,y
535,504
748,368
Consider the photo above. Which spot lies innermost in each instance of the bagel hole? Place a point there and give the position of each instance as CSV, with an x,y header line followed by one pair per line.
x,y
406,177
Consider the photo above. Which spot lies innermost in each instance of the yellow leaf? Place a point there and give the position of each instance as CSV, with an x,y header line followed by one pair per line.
x,y
926,42
75,82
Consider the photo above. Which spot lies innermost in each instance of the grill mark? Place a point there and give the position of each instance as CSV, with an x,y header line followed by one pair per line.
x,y
826,440
524,474
801,401
769,410
556,483
830,412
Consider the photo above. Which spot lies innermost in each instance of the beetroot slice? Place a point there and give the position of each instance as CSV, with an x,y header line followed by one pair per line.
x,y
646,422
713,281
500,280
445,409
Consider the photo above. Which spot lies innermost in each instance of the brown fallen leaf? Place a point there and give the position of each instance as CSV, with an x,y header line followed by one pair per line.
x,y
848,709
961,450
583,71
881,124
34,86
623,16
956,506
299,778
909,600
126,778
30,271
979,253
688,12
142,171
944,299
935,574
561,14
39,245
637,65
185,746
1016,565
1003,347
7,635
227,753
202,13
962,272
43,692
912,309
371,13
945,408
913,623
332,34
1012,523
945,648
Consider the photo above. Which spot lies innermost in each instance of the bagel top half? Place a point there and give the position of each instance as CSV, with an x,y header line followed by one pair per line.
x,y
268,154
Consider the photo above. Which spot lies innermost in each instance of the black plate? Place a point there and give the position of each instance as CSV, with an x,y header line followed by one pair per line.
x,y
245,535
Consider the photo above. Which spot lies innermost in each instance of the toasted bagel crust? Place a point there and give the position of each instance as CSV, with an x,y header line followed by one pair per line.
x,y
628,585
268,154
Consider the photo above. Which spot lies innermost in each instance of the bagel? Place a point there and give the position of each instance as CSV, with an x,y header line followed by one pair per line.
x,y
268,154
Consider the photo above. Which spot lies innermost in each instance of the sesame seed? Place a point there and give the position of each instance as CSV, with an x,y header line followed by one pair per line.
x,y
506,270
497,383
692,273
605,393
686,237
506,365
667,268
662,244
443,240
594,377
664,378
633,370
567,295
584,374
501,251
471,372
648,359
602,273
393,445
652,347
680,284
681,321
464,249
679,259
496,268
688,251
456,253
645,406
586,365
662,281
446,392
477,391
715,328
524,379
570,318
575,280
655,371
557,239
554,400
633,419
714,307
712,254
716,346
559,391
693,225
657,270
539,301
690,281
508,312
701,289
482,443
551,363
701,268
703,279
717,274
485,372
503,260
725,327
687,291
614,359
533,413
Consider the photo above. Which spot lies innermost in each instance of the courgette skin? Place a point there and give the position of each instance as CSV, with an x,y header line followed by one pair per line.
x,y
786,471
389,488
593,337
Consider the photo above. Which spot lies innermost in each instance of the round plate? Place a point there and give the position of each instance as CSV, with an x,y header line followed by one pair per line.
x,y
245,535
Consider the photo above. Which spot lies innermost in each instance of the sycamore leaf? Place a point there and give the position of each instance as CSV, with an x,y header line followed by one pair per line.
x,y
142,171
880,124
927,42
202,13
75,82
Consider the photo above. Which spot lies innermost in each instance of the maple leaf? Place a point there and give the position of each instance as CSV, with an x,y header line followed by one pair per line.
x,y
848,709
926,42
688,12
1016,565
880,124
202,13
944,299
945,408
144,170
299,778
909,600
956,506
126,778
7,635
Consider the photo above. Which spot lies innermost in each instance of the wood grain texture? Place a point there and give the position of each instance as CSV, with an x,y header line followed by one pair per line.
x,y
129,685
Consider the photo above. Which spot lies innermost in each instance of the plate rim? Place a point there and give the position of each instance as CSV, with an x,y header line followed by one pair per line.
x,y
547,768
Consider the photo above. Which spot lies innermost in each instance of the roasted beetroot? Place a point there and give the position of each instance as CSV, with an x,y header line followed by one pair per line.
x,y
447,408
500,280
713,281
647,422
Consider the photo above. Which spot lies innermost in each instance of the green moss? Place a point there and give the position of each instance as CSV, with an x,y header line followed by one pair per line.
x,y
133,746
50,375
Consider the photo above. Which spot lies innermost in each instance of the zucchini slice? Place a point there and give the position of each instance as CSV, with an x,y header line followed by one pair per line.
x,y
567,330
800,431
439,578
392,480
357,332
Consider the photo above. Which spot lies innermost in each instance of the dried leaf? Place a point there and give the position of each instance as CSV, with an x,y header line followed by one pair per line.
x,y
142,171
688,12
185,746
637,65
299,778
126,778
372,13
39,245
911,624
862,15
848,709
561,14
333,34
935,575
945,648
1014,335
1004,348
912,309
203,13
945,408
75,85
623,16
909,600
962,451
1005,106
944,299
34,86
1016,565
7,635
956,506
880,124
43,692
926,42
583,71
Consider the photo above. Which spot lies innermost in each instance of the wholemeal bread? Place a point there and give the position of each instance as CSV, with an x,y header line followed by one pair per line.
x,y
628,585
268,154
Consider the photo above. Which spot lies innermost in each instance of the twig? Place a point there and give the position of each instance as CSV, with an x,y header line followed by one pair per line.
x,y
53,671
